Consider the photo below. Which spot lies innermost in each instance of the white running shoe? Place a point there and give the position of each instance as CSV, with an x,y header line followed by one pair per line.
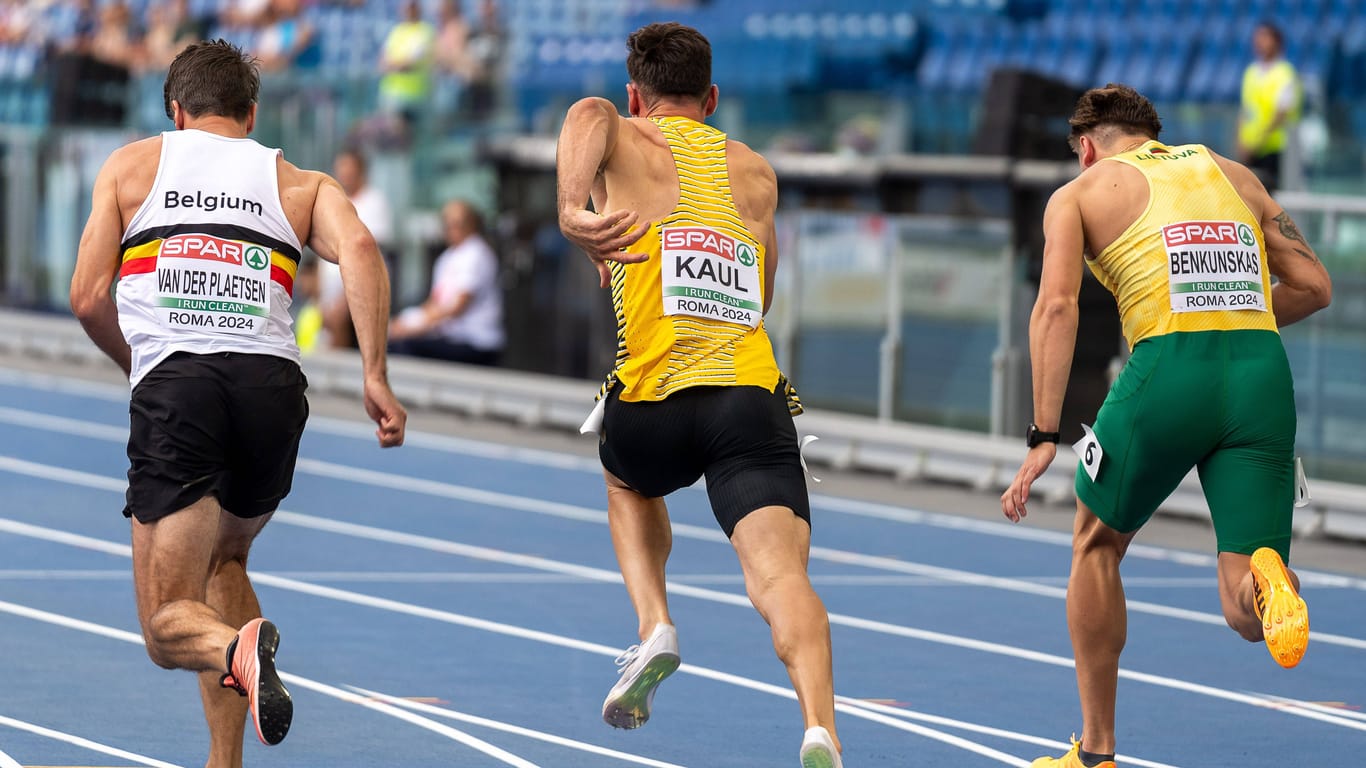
x,y
818,749
643,668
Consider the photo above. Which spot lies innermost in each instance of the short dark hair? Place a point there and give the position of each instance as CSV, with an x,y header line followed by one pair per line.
x,y
669,59
1117,106
212,78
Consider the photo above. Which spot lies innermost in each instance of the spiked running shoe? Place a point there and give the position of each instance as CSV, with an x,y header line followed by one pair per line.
x,y
1070,760
818,749
643,668
253,675
1285,617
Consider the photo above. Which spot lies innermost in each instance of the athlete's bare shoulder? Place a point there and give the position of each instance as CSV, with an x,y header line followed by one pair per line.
x,y
133,170
749,168
298,193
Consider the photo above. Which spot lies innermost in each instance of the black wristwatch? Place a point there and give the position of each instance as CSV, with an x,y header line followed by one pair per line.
x,y
1033,437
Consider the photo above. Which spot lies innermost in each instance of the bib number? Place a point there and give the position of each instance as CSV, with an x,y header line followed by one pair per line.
x,y
709,274
1089,451
1214,266
210,284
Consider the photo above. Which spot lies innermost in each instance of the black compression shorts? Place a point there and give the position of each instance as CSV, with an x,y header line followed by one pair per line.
x,y
225,425
742,438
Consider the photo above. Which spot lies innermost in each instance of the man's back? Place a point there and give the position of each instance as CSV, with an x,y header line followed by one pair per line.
x,y
641,176
136,167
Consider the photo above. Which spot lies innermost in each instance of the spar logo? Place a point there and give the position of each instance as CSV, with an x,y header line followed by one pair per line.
x,y
211,248
709,241
1208,233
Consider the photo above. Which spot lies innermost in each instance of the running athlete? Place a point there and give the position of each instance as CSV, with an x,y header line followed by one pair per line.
x,y
695,390
202,228
1188,242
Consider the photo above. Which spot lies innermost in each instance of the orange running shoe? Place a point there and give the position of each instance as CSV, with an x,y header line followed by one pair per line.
x,y
1285,617
1070,760
253,675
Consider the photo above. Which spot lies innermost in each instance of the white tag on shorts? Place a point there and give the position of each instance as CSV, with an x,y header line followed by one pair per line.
x,y
594,421
1302,497
1089,451
801,453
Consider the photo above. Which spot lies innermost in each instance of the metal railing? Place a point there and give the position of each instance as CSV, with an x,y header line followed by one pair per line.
x,y
847,441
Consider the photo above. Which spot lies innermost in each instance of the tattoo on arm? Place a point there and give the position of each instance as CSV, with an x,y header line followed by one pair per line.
x,y
1288,228
1292,232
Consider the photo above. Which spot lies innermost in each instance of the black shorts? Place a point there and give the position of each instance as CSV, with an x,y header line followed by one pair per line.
x,y
225,425
741,438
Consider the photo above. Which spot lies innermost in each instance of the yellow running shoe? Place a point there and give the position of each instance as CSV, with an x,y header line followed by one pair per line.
x,y
1069,760
1285,617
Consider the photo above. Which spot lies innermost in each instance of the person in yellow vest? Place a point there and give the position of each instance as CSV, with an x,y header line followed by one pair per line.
x,y
1271,101
1188,242
696,390
406,60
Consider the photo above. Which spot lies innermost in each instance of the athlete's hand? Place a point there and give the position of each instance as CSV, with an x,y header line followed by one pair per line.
x,y
385,410
1017,495
604,238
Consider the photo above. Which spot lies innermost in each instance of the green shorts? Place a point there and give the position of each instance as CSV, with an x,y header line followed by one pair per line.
x,y
1219,401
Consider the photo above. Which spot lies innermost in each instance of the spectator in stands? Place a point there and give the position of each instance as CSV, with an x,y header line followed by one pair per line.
x,y
462,318
17,18
285,36
452,40
406,61
249,14
116,40
485,52
170,28
350,169
1270,105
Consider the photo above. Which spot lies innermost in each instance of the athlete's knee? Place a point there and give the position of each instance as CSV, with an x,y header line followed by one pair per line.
x,y
155,633
1093,538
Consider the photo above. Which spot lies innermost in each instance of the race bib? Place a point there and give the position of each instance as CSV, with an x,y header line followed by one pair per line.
x,y
710,274
1089,451
1213,266
207,283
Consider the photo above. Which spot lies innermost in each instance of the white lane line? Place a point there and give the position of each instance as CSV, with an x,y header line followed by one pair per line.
x,y
454,734
449,547
484,449
78,741
8,762
496,725
112,633
510,630
495,577
684,530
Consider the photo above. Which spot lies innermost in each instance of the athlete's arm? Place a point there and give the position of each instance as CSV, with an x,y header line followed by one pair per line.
x,y
1303,286
587,141
339,236
1052,336
97,265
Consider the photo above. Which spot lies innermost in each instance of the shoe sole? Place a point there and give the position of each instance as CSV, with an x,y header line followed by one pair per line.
x,y
818,757
272,708
632,707
1285,621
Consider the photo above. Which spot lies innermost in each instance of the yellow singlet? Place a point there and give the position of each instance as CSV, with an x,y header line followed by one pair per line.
x,y
1195,260
692,315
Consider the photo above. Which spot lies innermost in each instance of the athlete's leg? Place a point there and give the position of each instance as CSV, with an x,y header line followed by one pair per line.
x,y
773,545
171,562
1098,623
230,593
643,540
1236,595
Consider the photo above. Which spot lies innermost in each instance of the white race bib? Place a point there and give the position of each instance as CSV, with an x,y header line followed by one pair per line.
x,y
1213,266
707,273
1089,451
207,283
